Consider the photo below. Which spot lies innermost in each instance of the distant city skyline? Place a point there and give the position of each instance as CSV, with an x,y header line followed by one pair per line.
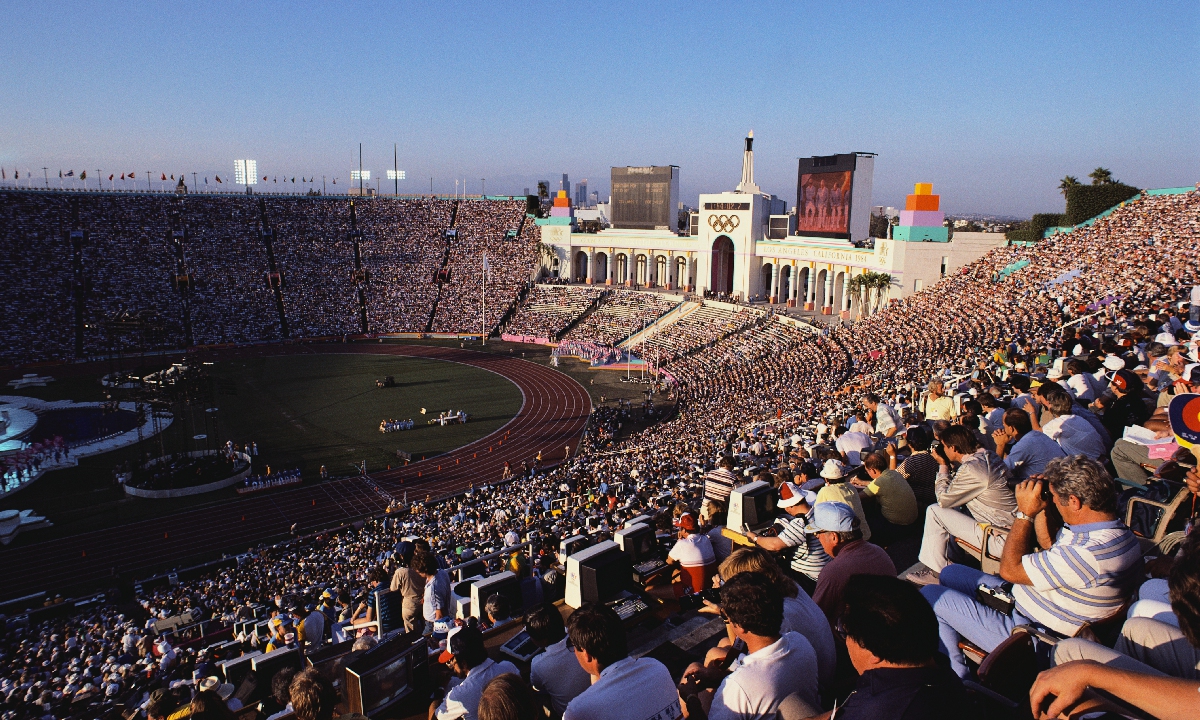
x,y
991,102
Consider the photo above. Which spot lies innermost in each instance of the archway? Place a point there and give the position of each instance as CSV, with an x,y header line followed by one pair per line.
x,y
767,269
641,270
660,271
681,273
601,268
581,261
822,296
622,269
805,280
839,285
722,266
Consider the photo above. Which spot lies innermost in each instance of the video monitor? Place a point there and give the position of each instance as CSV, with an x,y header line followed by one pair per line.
x,y
597,574
639,541
751,506
505,583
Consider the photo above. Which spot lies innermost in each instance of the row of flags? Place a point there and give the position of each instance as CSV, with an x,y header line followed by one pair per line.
x,y
131,176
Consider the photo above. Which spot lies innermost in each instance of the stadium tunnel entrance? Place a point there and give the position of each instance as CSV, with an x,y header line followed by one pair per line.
x,y
722,265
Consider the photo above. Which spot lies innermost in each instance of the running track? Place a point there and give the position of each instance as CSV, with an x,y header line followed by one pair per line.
x,y
553,414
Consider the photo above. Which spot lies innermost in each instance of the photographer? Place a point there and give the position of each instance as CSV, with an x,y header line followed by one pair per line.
x,y
773,666
1085,575
980,485
1025,451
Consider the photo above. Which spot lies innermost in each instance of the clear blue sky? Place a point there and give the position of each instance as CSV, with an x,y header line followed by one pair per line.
x,y
993,103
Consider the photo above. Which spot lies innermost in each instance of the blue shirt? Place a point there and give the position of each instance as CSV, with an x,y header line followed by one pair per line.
x,y
1029,455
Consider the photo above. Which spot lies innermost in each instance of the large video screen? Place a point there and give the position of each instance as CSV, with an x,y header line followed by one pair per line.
x,y
824,204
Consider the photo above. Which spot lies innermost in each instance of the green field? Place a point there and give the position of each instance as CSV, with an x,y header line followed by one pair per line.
x,y
311,410
302,410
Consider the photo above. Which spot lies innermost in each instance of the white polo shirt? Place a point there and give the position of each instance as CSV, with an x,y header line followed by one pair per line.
x,y
629,689
557,673
462,701
759,682
695,550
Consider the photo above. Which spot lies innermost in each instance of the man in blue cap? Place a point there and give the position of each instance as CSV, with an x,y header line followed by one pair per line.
x,y
836,526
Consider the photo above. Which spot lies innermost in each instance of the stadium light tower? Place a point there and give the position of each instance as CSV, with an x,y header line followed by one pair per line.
x,y
245,172
396,174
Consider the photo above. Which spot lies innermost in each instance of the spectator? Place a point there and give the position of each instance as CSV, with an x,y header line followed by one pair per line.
x,y
1083,576
718,483
207,705
980,484
774,665
436,602
411,585
623,688
472,670
836,526
693,553
888,500
1074,434
555,672
507,697
1025,451
312,696
808,556
892,638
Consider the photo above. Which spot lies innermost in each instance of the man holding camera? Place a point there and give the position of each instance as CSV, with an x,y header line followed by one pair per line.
x,y
980,486
1084,575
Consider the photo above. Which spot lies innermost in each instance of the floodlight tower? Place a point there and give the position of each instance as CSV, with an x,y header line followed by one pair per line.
x,y
274,278
361,276
245,172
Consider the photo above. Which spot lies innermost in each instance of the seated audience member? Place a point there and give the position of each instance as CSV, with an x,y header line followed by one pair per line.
x,y
1131,459
892,639
980,485
712,515
507,697
1074,434
472,670
851,444
1128,408
808,555
693,553
920,468
208,705
312,696
888,499
836,526
800,613
1066,691
1085,575
555,672
623,687
497,610
774,665
720,481
887,421
280,701
1151,646
837,488
1025,451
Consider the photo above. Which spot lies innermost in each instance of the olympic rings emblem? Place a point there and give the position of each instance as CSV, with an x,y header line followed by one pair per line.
x,y
724,223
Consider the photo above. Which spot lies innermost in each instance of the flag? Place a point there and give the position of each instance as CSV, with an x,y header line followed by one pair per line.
x,y
131,176
122,176
173,176
60,174
294,180
16,174
164,176
205,179
2,175
83,175
264,178
70,173
487,269
218,177
110,177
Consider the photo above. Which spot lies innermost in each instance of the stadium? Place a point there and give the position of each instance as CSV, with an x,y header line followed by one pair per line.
x,y
358,454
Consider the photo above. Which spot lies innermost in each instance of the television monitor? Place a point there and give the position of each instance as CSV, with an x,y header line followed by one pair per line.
x,y
640,519
236,669
639,541
751,506
329,659
387,673
265,667
390,611
597,574
506,583
569,546
471,569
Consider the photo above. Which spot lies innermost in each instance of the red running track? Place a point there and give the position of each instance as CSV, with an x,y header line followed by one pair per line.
x,y
553,414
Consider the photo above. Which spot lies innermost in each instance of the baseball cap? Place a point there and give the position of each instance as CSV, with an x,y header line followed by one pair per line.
x,y
1190,374
832,517
1112,363
686,521
791,495
1165,338
1126,381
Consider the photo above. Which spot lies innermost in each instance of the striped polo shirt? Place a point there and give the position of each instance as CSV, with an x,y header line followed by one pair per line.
x,y
809,557
1085,576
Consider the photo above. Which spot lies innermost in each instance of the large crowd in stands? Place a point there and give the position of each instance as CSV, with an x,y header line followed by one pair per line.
x,y
129,265
623,313
972,405
549,309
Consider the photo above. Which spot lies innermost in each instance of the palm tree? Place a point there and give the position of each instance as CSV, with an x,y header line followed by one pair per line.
x,y
1102,176
546,254
881,283
1067,182
856,292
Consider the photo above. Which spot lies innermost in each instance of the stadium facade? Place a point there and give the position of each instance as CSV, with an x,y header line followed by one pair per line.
x,y
743,244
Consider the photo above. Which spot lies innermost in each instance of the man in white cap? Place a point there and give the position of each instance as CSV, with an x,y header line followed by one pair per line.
x,y
808,557
224,690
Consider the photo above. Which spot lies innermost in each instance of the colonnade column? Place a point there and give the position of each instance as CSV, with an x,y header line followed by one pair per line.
x,y
827,298
774,280
846,295
794,285
687,274
671,282
608,266
591,265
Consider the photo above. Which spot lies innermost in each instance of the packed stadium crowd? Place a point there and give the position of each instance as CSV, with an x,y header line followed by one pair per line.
x,y
549,309
130,263
983,422
623,313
